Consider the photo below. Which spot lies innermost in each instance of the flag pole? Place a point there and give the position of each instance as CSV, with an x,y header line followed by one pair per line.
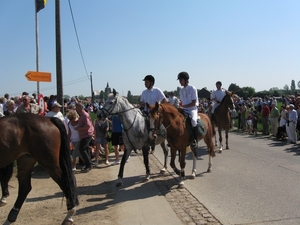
x,y
37,45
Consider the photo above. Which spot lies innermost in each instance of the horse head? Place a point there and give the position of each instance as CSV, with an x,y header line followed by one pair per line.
x,y
155,119
228,99
109,107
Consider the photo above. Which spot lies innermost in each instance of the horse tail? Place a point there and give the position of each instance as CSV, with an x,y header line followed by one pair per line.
x,y
5,175
68,178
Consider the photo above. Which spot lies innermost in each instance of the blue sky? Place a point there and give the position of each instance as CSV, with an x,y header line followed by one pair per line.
x,y
250,43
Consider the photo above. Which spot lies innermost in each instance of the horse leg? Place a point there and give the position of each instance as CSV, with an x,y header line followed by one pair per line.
x,y
194,170
165,149
220,139
146,162
5,175
122,165
226,136
25,164
172,162
216,142
182,166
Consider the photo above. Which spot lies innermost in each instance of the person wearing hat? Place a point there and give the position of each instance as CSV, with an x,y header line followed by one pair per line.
x,y
190,102
55,112
151,95
216,97
292,123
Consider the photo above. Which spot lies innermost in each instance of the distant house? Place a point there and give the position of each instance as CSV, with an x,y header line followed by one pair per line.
x,y
204,93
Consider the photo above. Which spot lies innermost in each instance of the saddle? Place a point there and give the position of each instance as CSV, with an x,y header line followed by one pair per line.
x,y
200,124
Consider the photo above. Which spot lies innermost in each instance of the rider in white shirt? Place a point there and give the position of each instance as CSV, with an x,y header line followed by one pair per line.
x,y
151,95
217,97
190,102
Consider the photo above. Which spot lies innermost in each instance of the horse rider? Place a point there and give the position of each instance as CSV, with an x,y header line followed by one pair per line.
x,y
217,97
190,102
151,95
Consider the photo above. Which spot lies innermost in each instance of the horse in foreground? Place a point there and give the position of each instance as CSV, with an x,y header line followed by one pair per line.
x,y
29,138
135,131
179,134
222,118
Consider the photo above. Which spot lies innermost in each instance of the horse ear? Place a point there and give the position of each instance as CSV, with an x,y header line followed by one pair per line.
x,y
114,92
156,105
148,106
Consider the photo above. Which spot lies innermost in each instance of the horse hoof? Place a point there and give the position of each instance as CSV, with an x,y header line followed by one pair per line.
x,y
67,222
3,203
209,170
119,184
220,151
227,147
163,170
193,176
180,185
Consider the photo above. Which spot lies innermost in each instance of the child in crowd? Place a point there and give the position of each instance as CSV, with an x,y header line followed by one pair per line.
x,y
254,121
101,127
73,135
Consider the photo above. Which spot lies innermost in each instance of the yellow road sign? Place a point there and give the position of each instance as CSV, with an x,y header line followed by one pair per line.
x,y
38,76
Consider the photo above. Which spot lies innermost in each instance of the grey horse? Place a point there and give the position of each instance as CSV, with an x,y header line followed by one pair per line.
x,y
135,134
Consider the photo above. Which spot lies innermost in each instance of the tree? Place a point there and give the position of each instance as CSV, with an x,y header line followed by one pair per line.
x,y
234,88
293,86
129,96
247,92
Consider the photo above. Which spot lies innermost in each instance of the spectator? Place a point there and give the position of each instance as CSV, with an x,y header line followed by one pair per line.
x,y
254,121
73,135
173,100
10,105
292,120
55,112
101,127
116,136
274,116
28,107
85,129
265,113
2,100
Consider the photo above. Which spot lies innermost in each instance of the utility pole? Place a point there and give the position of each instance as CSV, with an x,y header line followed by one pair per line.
x,y
59,83
92,90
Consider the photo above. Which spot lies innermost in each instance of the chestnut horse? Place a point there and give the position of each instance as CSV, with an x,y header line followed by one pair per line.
x,y
29,138
222,118
179,136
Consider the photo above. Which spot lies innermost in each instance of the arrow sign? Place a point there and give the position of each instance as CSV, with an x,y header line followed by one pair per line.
x,y
38,76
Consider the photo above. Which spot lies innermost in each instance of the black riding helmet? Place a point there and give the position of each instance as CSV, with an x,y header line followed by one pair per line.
x,y
219,82
183,75
150,78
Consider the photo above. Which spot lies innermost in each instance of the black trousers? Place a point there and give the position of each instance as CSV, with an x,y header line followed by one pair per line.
x,y
84,150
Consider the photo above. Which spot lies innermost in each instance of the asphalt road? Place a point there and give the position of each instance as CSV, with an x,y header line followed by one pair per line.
x,y
256,181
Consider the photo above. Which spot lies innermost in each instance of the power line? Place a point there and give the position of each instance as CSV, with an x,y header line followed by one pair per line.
x,y
78,39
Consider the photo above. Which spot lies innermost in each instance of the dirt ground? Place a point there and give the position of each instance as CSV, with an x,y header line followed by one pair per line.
x,y
45,204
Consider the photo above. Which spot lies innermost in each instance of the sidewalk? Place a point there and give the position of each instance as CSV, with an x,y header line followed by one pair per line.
x,y
138,202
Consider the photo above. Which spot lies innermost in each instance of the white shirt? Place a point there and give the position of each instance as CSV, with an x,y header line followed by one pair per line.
x,y
218,95
152,96
187,95
74,133
59,115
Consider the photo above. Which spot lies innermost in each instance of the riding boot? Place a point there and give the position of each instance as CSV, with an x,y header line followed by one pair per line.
x,y
195,141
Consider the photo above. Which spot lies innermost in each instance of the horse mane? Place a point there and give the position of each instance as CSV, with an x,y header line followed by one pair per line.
x,y
170,109
228,93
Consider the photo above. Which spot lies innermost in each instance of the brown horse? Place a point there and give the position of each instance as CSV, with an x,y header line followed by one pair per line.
x,y
29,138
222,118
179,136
